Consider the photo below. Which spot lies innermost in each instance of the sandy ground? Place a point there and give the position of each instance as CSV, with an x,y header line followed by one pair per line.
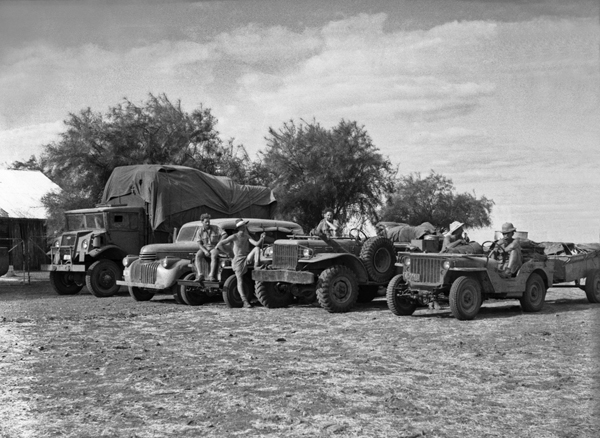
x,y
80,366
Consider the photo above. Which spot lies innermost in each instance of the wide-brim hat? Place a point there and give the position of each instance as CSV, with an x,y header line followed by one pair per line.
x,y
507,228
241,222
454,226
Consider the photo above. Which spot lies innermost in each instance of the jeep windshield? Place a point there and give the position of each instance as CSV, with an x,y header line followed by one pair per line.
x,y
187,234
85,221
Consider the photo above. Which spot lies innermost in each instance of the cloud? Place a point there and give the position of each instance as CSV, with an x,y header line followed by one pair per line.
x,y
21,143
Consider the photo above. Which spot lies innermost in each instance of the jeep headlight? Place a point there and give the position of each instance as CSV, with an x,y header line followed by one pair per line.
x,y
446,265
306,253
268,252
84,244
406,262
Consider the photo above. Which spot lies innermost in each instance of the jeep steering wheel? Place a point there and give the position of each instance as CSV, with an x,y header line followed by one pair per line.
x,y
489,246
356,234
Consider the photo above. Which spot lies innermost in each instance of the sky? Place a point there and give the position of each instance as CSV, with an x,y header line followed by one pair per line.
x,y
502,97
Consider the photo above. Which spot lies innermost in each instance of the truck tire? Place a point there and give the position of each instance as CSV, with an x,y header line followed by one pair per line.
x,y
379,258
192,296
337,289
535,294
273,295
139,294
465,298
398,303
102,278
367,293
231,295
592,286
62,285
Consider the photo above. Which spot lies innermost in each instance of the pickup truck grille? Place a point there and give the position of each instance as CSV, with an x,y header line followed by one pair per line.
x,y
144,272
428,269
148,257
285,256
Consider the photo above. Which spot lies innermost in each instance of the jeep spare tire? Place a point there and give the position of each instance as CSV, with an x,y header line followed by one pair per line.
x,y
379,258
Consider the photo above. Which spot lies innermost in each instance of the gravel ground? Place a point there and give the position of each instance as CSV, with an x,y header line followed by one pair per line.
x,y
79,366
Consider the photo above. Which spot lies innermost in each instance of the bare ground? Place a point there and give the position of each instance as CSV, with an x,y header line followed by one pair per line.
x,y
79,366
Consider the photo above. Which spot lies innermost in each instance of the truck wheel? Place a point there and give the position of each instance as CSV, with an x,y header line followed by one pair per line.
x,y
379,257
273,295
367,293
62,284
399,303
139,294
592,286
192,296
465,298
102,278
535,294
231,295
337,289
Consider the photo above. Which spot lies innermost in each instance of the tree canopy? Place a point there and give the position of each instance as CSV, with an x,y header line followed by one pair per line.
x,y
310,168
434,199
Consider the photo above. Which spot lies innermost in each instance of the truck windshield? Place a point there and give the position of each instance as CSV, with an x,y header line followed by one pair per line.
x,y
85,221
187,234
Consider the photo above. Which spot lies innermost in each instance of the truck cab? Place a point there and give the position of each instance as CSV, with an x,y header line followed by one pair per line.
x,y
90,250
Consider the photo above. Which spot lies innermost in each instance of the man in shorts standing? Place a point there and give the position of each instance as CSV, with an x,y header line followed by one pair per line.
x,y
242,255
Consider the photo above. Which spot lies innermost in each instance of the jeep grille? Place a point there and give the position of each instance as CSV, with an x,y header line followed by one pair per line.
x,y
144,272
428,268
285,256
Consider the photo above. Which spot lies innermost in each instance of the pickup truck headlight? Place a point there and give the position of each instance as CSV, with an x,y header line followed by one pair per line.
x,y
168,262
128,260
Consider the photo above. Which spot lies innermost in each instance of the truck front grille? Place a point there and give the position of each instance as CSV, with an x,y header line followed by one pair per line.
x,y
285,256
428,269
144,272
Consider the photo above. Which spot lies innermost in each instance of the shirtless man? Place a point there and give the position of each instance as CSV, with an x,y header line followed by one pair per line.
x,y
242,255
328,226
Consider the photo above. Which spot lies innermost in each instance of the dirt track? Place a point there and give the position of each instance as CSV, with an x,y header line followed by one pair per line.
x,y
80,366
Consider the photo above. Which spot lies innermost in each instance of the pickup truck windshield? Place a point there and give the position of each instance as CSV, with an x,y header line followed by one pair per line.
x,y
187,234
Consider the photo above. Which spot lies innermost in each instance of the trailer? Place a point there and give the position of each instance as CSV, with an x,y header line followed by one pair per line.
x,y
578,264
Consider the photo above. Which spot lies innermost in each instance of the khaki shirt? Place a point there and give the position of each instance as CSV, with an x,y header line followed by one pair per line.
x,y
209,238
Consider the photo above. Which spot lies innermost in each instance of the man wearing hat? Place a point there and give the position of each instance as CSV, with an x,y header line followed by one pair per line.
x,y
242,255
508,252
455,236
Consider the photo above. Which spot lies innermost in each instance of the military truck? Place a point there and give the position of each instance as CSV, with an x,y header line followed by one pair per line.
x,y
168,267
338,271
465,281
142,204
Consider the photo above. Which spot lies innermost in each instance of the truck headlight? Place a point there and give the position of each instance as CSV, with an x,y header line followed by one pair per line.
x,y
406,262
268,252
57,243
168,262
84,244
128,260
307,253
446,265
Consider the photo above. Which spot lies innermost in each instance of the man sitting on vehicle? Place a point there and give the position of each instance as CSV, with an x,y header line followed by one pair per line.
x,y
208,238
508,252
328,226
455,237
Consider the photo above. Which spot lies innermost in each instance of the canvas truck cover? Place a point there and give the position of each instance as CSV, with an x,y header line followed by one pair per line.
x,y
175,195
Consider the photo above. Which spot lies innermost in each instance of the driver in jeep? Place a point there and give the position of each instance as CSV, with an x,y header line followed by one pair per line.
x,y
507,251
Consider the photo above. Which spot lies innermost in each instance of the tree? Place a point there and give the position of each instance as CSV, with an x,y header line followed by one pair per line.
x,y
157,132
434,199
310,168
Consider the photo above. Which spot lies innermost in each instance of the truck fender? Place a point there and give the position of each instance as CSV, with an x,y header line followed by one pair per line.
x,y
323,261
111,252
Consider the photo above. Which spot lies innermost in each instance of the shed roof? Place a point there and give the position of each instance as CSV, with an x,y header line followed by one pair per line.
x,y
21,193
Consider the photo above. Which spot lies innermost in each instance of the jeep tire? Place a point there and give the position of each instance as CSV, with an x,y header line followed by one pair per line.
x,y
379,257
273,295
465,298
535,294
337,289
592,286
398,303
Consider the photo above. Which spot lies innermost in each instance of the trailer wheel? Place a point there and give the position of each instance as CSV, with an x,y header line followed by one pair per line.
x,y
337,289
139,294
379,258
231,295
273,295
399,303
102,278
192,296
465,298
592,286
63,284
535,294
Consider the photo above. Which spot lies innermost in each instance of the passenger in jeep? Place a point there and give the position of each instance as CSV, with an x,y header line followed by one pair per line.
x,y
208,238
328,226
508,252
455,236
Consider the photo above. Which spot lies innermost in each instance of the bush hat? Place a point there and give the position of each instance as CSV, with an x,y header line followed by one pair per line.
x,y
508,227
241,222
454,226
